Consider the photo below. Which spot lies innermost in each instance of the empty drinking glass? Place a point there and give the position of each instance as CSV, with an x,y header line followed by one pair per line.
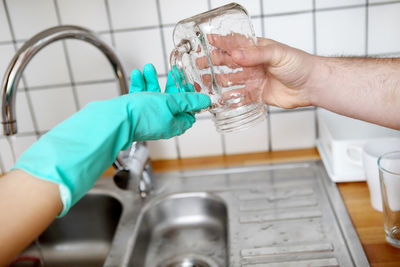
x,y
389,173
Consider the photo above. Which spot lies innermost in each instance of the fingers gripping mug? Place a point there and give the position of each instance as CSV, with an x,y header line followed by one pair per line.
x,y
201,62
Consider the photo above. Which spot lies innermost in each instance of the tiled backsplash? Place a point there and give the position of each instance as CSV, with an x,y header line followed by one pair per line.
x,y
66,75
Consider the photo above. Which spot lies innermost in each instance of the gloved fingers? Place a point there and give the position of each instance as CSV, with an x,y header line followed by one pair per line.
x,y
137,82
189,87
187,102
182,83
170,87
186,120
150,76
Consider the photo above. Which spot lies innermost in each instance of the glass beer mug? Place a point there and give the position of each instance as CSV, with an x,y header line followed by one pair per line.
x,y
201,62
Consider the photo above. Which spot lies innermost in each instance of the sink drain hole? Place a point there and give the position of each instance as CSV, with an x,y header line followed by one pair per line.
x,y
190,262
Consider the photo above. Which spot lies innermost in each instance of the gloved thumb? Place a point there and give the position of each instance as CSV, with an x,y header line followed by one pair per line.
x,y
187,102
270,54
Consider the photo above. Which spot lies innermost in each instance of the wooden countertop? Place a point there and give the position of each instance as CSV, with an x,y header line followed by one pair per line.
x,y
368,222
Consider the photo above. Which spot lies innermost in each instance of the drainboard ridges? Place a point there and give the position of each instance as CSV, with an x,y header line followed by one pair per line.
x,y
326,262
280,215
273,194
314,254
294,202
277,250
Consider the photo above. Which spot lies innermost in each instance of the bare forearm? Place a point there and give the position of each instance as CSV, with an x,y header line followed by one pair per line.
x,y
362,88
27,206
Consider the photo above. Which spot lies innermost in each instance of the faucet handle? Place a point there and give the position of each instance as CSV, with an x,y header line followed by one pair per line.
x,y
134,170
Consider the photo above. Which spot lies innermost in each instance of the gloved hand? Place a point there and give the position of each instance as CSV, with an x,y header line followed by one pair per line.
x,y
148,81
77,151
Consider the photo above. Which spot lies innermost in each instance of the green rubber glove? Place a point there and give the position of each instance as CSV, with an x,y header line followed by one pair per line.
x,y
77,151
148,81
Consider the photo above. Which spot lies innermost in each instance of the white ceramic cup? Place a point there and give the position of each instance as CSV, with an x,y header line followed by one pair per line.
x,y
370,154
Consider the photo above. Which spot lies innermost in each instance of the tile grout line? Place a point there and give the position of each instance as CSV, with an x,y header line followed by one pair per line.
x,y
314,25
268,115
110,24
67,59
24,82
2,168
163,45
366,27
221,135
6,43
60,85
325,9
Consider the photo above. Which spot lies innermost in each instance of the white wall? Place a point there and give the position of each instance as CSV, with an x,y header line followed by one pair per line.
x,y
66,75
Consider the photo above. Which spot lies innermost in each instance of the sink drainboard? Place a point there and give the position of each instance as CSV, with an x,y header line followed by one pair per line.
x,y
262,216
278,215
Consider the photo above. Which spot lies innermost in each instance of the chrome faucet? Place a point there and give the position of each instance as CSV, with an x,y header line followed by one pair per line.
x,y
137,162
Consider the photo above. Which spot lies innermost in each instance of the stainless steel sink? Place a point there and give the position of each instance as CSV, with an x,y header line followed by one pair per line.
x,y
259,216
83,237
188,229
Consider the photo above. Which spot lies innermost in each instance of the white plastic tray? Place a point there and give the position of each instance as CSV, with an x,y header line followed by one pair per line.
x,y
338,136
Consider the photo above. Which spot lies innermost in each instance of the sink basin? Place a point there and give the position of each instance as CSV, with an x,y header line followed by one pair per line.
x,y
269,215
188,229
82,238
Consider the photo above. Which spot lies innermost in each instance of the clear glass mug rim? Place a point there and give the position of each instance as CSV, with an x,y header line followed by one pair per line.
x,y
384,156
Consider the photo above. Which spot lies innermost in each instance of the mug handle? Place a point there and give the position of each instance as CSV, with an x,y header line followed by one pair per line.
x,y
354,154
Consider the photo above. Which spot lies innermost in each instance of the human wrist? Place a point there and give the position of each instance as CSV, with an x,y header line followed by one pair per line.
x,y
318,82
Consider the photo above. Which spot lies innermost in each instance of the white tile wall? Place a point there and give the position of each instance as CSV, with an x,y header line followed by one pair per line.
x,y
254,139
6,53
380,1
87,62
136,29
200,140
285,6
51,106
169,43
91,14
48,66
23,113
30,17
291,130
257,23
127,14
383,34
162,81
93,92
140,47
346,36
173,11
21,143
338,3
252,6
295,30
16,144
5,34
163,149
6,155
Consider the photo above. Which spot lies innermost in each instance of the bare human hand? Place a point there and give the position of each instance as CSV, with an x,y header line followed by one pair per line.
x,y
248,80
282,73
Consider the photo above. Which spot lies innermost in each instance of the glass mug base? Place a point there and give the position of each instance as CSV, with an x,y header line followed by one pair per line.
x,y
393,236
238,119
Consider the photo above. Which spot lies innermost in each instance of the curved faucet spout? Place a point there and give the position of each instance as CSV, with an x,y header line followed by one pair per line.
x,y
14,71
